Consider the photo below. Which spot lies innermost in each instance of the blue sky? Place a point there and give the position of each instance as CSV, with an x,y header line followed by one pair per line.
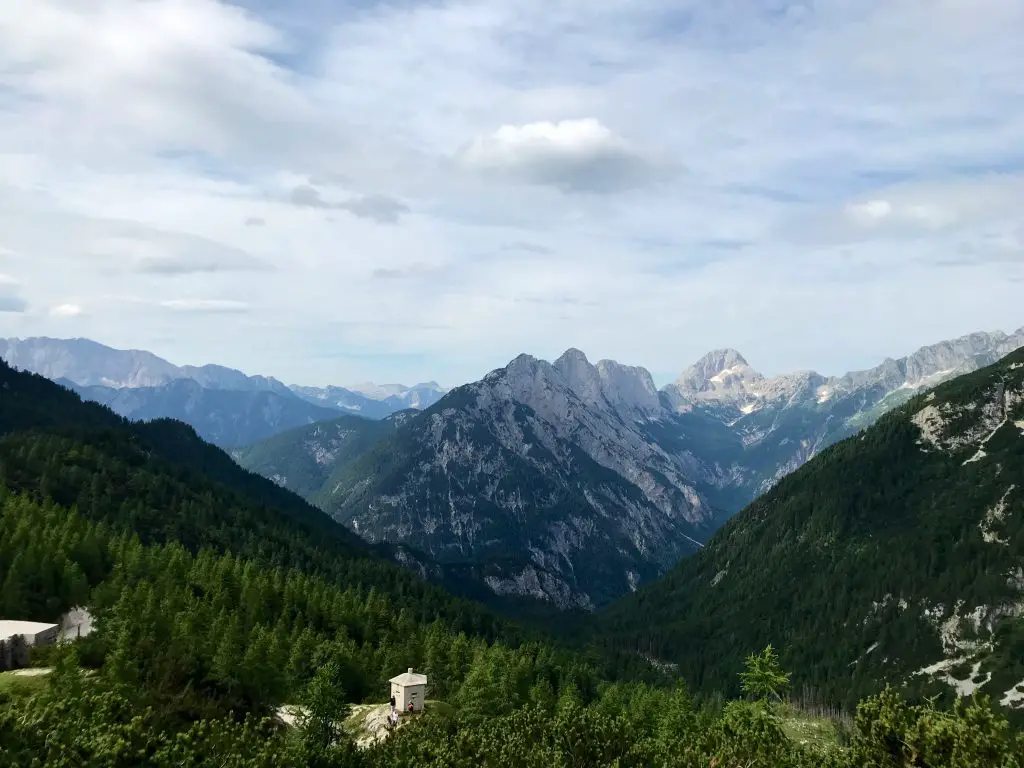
x,y
330,192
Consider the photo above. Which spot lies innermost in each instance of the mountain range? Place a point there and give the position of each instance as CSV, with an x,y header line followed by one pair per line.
x,y
225,406
897,554
894,555
576,482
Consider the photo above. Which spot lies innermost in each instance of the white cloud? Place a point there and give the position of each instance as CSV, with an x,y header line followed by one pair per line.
x,y
205,305
11,300
835,155
66,310
379,208
870,212
572,155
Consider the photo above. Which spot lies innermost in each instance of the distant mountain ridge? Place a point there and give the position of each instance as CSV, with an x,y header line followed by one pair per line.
x,y
375,403
896,555
225,406
777,424
567,481
223,417
89,363
576,482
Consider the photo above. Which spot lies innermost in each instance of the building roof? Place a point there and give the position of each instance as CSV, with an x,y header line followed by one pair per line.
x,y
10,628
409,678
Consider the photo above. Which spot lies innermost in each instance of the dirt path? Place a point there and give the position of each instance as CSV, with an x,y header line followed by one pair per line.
x,y
368,723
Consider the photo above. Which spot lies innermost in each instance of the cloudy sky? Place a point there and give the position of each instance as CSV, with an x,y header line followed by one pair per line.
x,y
328,192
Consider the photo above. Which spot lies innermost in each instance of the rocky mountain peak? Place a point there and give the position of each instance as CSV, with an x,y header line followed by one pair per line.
x,y
625,388
714,368
628,385
581,376
720,374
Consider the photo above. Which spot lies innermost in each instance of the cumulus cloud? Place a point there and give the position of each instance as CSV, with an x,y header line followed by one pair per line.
x,y
879,212
380,208
66,310
572,155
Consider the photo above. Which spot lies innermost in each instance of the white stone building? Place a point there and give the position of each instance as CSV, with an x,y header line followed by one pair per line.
x,y
16,637
409,688
34,632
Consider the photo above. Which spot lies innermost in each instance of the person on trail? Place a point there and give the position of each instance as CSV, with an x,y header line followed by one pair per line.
x,y
393,703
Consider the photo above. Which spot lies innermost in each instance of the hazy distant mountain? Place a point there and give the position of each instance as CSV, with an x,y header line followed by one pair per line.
x,y
224,417
371,400
224,405
89,363
418,396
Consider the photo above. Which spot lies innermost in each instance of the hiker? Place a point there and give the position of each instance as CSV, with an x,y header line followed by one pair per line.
x,y
393,703
410,707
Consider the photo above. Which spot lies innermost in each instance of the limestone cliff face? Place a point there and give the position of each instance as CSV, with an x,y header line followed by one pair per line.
x,y
544,470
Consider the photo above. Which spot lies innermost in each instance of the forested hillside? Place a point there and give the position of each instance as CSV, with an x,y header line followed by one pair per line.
x,y
304,459
217,599
896,555
159,481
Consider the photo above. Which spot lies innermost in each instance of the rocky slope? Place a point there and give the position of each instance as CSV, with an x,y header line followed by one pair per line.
x,y
304,458
897,554
543,471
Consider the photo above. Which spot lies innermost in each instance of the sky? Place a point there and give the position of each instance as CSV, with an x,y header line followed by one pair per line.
x,y
331,192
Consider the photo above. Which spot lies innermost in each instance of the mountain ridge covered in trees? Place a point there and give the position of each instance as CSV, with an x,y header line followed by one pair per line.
x,y
895,555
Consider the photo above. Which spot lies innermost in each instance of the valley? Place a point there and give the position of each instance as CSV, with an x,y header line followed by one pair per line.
x,y
569,483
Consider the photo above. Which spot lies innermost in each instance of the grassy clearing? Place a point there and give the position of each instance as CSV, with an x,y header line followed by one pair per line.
x,y
13,684
813,727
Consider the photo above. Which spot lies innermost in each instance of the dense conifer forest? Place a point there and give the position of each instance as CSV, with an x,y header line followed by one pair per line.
x,y
853,563
218,598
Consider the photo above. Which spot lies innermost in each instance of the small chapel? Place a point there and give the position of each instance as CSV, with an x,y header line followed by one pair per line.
x,y
409,691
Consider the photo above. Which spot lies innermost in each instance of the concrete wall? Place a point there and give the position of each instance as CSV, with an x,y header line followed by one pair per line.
x,y
409,693
46,637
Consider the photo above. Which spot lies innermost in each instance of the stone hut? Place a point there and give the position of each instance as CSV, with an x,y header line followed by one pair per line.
x,y
409,688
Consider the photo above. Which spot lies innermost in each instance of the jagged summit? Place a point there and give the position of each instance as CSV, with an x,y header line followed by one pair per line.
x,y
722,374
609,385
572,356
714,367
